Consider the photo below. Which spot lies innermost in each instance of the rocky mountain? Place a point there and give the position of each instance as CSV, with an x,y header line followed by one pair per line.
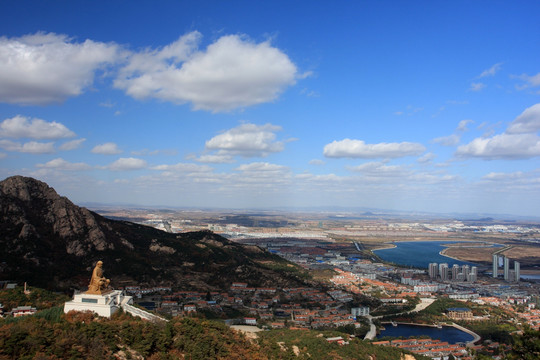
x,y
48,241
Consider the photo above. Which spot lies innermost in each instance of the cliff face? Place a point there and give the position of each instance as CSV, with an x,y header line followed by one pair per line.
x,y
47,240
26,203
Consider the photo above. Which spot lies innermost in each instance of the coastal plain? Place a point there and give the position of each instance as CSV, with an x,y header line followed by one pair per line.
x,y
466,239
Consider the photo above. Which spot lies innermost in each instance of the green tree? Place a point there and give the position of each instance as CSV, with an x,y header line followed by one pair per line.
x,y
526,346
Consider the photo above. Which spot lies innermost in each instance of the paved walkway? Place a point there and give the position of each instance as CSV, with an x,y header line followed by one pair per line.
x,y
135,311
372,329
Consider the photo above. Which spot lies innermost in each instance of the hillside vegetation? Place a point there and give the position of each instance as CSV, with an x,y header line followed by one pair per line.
x,y
54,335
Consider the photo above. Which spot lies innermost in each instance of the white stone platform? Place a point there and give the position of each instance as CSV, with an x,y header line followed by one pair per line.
x,y
104,305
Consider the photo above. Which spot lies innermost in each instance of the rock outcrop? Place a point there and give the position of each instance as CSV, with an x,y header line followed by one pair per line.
x,y
24,199
50,242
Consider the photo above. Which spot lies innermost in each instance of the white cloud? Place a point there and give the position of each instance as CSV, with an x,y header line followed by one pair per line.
x,y
124,164
183,168
379,169
491,71
450,140
519,141
215,159
453,140
359,149
72,145
316,162
32,147
527,122
61,164
523,181
503,176
109,148
247,140
35,147
261,175
233,72
530,81
45,68
428,157
107,104
22,127
3,155
503,146
261,167
462,126
410,110
477,86
427,178
147,152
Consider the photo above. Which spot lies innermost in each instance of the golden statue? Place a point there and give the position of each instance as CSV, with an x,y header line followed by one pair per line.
x,y
98,283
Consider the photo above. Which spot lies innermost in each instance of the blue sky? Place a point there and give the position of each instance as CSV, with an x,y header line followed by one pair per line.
x,y
416,106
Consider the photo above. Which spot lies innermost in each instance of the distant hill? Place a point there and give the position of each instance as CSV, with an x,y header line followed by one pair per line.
x,y
48,241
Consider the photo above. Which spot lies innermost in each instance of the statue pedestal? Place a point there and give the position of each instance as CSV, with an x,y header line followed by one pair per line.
x,y
104,305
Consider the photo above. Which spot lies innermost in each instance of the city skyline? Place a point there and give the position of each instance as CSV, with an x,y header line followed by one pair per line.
x,y
428,107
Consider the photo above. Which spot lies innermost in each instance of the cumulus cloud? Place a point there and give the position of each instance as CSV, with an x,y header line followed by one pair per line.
x,y
109,148
232,72
32,147
61,164
72,145
503,146
22,127
527,122
45,68
247,140
359,149
519,141
124,164
491,71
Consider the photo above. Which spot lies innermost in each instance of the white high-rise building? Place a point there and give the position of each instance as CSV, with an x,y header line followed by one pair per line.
x,y
472,276
443,271
495,265
433,267
506,268
517,270
455,272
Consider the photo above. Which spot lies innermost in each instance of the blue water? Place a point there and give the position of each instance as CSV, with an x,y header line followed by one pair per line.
x,y
531,277
418,254
446,333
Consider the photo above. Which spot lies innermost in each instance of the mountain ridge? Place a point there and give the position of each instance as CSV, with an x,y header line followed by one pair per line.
x,y
50,242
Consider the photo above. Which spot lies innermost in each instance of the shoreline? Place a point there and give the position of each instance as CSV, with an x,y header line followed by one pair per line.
x,y
443,253
475,336
392,246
